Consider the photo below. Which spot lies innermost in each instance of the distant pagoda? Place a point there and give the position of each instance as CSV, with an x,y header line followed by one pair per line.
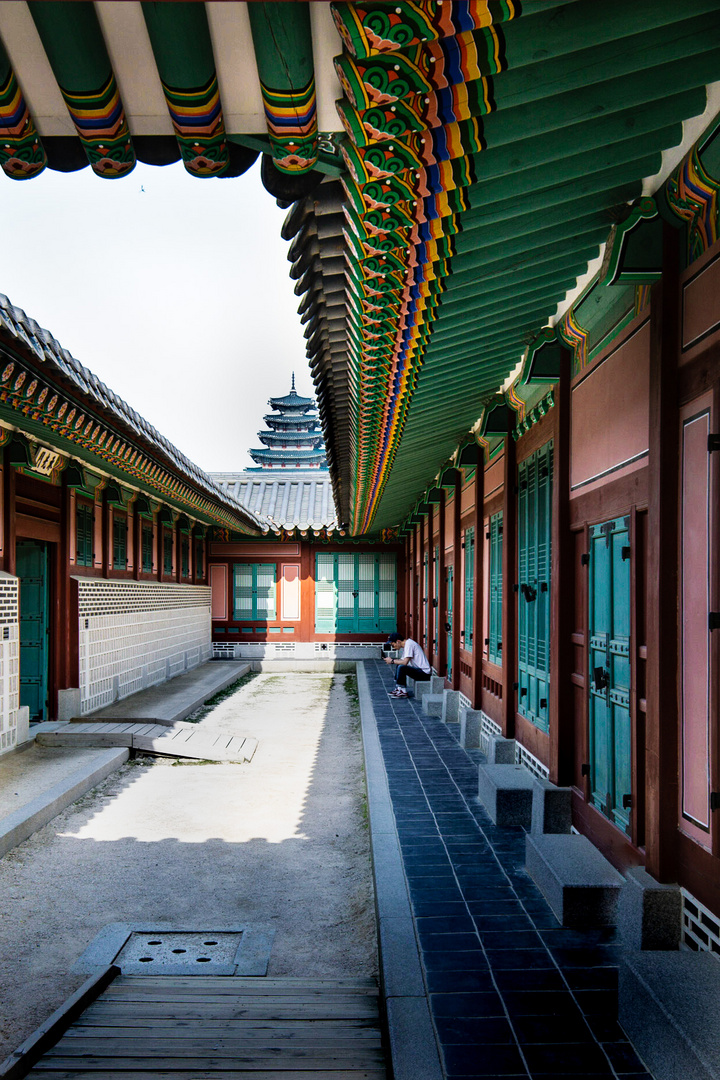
x,y
293,439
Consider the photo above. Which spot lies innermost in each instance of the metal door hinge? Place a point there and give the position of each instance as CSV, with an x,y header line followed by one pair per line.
x,y
543,703
585,558
625,553
714,620
627,802
516,686
585,768
713,443
715,800
487,640
487,536
516,588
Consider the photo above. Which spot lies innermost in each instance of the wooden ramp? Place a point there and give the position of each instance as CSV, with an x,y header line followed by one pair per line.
x,y
198,1027
175,740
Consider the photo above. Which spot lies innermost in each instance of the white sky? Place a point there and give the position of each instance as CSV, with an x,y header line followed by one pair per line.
x,y
175,291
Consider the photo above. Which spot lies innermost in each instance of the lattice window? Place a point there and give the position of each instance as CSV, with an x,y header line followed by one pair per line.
x,y
119,542
534,545
496,589
469,587
254,591
84,531
147,548
167,552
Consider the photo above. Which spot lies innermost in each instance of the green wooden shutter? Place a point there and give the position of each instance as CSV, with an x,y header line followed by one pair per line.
x,y
119,543
147,549
243,592
609,682
265,592
84,528
167,552
495,602
469,587
534,560
198,560
387,593
185,556
449,573
325,593
346,589
367,594
436,599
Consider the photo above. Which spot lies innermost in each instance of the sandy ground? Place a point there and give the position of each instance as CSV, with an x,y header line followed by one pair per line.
x,y
281,843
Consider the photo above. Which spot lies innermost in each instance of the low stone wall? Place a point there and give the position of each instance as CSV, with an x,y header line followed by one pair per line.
x,y
136,634
9,662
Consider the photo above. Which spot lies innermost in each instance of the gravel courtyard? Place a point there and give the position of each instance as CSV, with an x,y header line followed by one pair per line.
x,y
280,843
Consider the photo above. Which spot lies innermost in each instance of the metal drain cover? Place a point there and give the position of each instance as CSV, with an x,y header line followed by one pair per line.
x,y
177,953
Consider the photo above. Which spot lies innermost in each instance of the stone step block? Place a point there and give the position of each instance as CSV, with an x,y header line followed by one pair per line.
x,y
669,1005
506,793
451,707
500,751
650,914
579,884
433,685
432,705
552,807
470,727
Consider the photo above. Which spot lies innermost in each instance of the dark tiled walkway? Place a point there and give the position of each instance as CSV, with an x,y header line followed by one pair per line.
x,y
512,994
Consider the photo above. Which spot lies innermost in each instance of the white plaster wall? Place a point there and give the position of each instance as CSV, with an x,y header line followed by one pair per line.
x,y
137,634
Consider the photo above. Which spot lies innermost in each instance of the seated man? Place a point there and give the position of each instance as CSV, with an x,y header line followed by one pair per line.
x,y
413,664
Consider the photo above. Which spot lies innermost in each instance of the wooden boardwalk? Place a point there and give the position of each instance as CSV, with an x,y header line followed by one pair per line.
x,y
198,1027
173,740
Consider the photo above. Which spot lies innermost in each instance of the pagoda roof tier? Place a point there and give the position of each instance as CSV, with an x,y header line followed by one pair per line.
x,y
308,457
272,438
308,419
292,401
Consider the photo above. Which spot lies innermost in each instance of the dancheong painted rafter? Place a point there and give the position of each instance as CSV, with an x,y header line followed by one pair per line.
x,y
490,147
452,169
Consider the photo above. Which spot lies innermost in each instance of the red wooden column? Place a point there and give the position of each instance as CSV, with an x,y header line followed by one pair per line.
x,y
562,582
457,581
411,576
442,591
479,580
68,624
509,600
661,720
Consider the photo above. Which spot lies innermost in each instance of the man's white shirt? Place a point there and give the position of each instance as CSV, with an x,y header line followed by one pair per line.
x,y
415,657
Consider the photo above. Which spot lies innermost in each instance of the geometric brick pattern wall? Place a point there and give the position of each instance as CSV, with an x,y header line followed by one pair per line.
x,y
136,634
9,661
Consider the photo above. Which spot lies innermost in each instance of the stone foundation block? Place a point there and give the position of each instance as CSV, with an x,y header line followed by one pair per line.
x,y
506,793
669,1005
434,685
432,704
650,914
451,707
23,724
552,807
579,884
470,727
500,751
69,705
